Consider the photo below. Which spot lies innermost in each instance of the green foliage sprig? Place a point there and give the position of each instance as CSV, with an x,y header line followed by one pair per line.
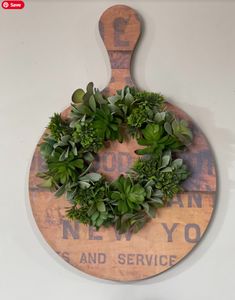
x,y
71,145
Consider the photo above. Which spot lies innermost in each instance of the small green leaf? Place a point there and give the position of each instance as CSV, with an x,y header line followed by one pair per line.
x,y
157,193
123,93
122,207
90,87
149,183
84,110
129,98
165,160
115,195
148,191
95,216
75,150
91,210
63,155
84,185
99,98
101,206
99,221
175,125
46,183
177,163
152,212
137,194
159,117
167,127
144,151
78,163
65,139
88,157
60,191
92,103
113,99
124,108
78,96
146,207
91,177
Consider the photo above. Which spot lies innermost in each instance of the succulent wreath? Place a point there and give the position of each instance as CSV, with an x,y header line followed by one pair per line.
x,y
71,145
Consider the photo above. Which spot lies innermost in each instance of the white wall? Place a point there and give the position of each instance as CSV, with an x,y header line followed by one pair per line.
x,y
49,49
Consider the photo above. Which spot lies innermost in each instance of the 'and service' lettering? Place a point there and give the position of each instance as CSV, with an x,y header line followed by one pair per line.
x,y
129,259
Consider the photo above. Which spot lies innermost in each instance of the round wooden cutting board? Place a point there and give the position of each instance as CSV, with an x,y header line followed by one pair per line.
x,y
175,231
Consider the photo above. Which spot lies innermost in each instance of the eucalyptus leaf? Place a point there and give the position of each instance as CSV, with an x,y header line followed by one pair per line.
x,y
101,206
177,163
159,117
91,177
60,191
92,103
99,221
157,193
168,128
129,98
90,87
113,99
95,216
166,159
84,184
99,98
88,157
64,155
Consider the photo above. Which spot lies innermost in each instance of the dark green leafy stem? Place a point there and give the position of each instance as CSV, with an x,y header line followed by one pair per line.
x,y
132,200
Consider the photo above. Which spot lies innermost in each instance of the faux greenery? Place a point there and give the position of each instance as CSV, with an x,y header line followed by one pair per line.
x,y
72,144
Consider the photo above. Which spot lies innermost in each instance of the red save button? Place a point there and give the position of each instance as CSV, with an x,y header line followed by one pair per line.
x,y
13,4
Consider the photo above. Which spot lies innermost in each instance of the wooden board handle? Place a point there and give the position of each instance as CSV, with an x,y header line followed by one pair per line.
x,y
120,29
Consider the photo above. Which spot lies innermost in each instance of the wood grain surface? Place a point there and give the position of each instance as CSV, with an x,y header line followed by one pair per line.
x,y
175,231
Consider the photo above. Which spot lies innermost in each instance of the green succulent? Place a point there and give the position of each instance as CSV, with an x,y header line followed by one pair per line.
x,y
86,135
128,196
165,174
90,204
139,116
154,101
106,124
182,132
65,170
58,127
170,178
162,136
156,140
